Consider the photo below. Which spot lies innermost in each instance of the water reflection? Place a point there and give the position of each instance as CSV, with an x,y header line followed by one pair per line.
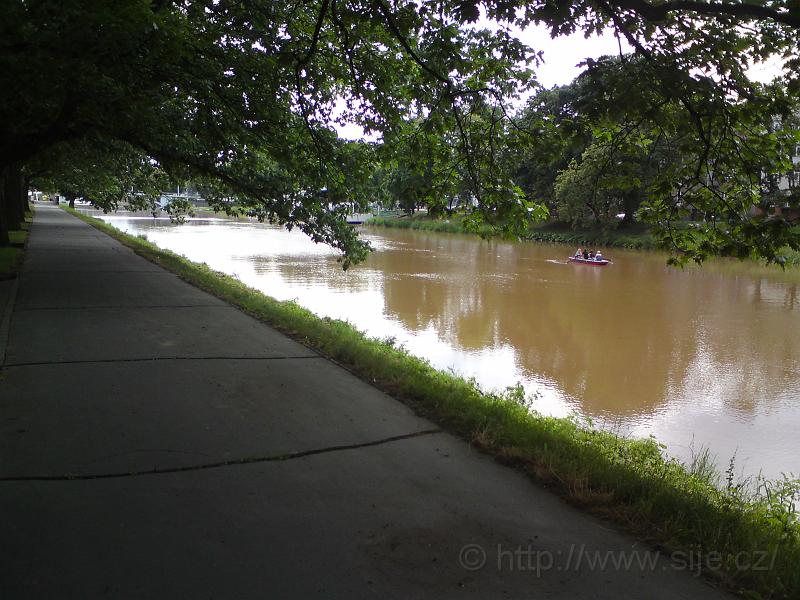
x,y
701,357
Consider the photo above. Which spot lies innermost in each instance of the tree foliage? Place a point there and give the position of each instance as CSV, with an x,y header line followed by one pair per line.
x,y
241,96
698,159
552,134
108,173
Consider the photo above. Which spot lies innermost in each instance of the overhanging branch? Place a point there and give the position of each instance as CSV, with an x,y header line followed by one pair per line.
x,y
659,12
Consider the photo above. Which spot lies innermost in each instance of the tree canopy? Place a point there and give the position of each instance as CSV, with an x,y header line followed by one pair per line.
x,y
241,97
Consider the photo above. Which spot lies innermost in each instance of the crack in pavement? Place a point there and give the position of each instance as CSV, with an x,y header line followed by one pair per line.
x,y
119,307
87,271
5,319
152,359
220,464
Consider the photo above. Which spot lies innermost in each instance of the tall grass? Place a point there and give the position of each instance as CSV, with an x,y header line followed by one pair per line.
x,y
792,257
637,239
747,532
612,239
452,225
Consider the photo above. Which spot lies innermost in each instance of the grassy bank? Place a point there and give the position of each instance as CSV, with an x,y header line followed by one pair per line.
x,y
747,532
11,256
634,237
422,223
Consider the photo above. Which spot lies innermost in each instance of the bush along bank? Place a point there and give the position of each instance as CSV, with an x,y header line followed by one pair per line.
x,y
746,534
613,239
636,239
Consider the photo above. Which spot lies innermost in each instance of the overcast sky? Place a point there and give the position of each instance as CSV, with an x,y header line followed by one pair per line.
x,y
563,54
561,57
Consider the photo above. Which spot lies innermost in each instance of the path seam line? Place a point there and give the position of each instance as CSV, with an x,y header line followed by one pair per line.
x,y
118,307
89,271
5,319
225,463
153,359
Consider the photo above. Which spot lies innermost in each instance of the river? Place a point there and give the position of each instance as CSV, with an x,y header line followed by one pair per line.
x,y
700,358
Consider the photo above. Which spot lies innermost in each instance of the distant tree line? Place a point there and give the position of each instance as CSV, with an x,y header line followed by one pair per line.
x,y
644,156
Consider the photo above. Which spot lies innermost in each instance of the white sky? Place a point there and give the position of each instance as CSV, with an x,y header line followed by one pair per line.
x,y
562,54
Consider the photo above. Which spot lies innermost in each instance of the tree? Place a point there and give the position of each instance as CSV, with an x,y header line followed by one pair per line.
x,y
589,191
109,174
551,134
242,93
710,147
680,151
13,200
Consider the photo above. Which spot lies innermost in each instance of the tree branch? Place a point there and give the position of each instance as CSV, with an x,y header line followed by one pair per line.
x,y
659,12
315,38
387,14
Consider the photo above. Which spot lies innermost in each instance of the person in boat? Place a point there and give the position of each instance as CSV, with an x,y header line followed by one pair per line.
x,y
585,254
579,253
591,255
598,255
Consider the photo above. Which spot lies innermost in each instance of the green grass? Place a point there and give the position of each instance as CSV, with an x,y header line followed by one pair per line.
x,y
674,506
206,209
422,222
792,257
11,256
9,259
634,237
18,237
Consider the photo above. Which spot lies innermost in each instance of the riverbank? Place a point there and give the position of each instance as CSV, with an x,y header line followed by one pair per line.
x,y
632,237
679,507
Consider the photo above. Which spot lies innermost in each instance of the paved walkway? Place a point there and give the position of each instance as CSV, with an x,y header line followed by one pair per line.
x,y
115,368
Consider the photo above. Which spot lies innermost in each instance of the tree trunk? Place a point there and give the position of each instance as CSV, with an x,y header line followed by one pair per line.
x,y
630,204
15,197
3,223
26,201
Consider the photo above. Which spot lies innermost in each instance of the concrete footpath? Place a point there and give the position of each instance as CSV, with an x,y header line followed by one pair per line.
x,y
278,474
